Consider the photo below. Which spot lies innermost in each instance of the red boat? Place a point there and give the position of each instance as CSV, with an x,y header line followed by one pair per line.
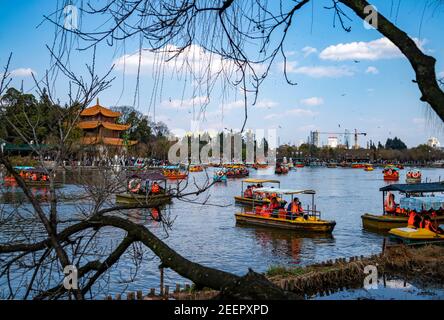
x,y
391,174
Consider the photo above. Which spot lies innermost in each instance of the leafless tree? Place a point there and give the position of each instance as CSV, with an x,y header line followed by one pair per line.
x,y
39,240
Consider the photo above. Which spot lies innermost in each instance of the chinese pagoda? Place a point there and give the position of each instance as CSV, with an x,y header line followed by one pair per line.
x,y
99,127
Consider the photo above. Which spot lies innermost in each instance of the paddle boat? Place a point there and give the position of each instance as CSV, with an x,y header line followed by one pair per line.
x,y
306,220
220,175
144,188
259,166
413,176
237,171
174,173
368,167
390,220
299,164
256,197
391,173
281,169
196,168
332,165
358,165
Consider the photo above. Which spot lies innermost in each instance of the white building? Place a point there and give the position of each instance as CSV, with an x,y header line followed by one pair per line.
x,y
433,142
332,142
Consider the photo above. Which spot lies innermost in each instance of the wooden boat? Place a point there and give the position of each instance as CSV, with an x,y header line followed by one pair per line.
x,y
385,222
138,190
332,165
413,176
310,222
154,200
257,197
39,175
413,235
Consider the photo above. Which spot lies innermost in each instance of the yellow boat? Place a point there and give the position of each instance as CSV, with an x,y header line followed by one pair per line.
x,y
309,221
249,201
386,221
412,235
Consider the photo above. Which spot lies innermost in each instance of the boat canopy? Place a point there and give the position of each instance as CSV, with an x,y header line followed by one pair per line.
x,y
422,203
171,167
283,191
260,181
152,176
415,187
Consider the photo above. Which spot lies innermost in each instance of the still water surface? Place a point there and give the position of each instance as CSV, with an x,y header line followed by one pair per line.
x,y
208,234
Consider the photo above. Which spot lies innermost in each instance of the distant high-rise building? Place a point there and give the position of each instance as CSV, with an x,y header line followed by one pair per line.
x,y
332,142
314,138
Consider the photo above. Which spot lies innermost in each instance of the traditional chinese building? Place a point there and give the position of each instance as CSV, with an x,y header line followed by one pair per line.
x,y
99,127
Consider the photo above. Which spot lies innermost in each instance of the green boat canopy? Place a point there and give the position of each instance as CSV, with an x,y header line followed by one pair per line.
x,y
415,187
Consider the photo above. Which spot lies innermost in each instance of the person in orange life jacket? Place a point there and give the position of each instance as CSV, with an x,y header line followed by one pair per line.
x,y
389,203
248,193
412,217
294,208
274,206
34,177
155,188
429,225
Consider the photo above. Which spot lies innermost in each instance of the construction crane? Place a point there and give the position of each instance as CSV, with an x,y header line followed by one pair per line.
x,y
346,134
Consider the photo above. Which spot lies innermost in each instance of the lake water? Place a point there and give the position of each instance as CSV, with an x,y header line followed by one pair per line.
x,y
208,234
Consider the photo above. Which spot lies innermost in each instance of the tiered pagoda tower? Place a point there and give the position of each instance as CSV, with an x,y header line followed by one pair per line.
x,y
99,127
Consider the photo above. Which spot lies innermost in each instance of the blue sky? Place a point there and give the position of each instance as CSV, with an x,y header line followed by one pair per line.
x,y
375,95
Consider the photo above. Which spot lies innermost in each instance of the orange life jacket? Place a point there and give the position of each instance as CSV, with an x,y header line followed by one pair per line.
x,y
155,188
34,177
411,221
428,225
295,208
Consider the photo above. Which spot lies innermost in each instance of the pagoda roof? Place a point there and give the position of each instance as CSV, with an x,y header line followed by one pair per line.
x,y
106,140
94,110
108,125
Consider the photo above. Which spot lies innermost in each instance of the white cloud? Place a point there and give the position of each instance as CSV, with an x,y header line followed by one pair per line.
x,y
265,103
372,70
176,103
418,121
193,59
272,116
377,49
22,72
313,101
301,112
308,51
322,72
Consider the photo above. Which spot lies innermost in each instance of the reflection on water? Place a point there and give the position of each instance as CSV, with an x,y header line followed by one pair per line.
x,y
394,290
209,235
